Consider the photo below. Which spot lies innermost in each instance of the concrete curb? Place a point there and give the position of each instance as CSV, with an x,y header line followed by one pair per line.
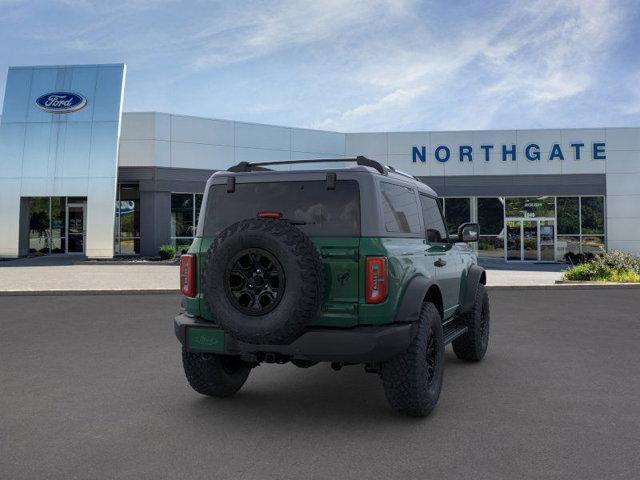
x,y
22,293
566,286
116,262
581,282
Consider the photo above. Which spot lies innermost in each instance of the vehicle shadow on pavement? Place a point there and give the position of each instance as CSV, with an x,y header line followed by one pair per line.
x,y
277,394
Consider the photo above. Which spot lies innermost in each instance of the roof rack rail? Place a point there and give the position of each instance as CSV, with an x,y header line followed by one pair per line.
x,y
260,166
400,172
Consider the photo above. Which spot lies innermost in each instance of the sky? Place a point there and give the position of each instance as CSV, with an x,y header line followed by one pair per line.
x,y
351,65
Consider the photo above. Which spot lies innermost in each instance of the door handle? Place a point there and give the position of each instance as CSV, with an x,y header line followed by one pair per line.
x,y
439,263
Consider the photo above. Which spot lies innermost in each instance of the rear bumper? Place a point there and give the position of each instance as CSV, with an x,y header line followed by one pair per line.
x,y
364,344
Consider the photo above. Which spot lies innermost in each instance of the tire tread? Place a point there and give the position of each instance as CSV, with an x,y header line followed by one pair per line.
x,y
470,346
404,376
309,293
207,376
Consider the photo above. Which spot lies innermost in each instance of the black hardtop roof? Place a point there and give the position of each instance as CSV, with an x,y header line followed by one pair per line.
x,y
363,164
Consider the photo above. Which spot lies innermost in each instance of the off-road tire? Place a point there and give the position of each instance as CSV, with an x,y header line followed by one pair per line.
x,y
406,376
304,363
214,375
472,346
303,272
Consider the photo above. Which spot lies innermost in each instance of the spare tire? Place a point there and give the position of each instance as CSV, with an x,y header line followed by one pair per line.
x,y
263,281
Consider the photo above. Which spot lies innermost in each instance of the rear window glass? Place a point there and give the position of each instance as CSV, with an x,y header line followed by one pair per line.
x,y
325,213
400,209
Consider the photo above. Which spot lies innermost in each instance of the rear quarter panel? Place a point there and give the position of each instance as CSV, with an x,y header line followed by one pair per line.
x,y
406,257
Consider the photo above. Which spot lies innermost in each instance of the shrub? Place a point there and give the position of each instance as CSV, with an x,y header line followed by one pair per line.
x,y
615,266
617,260
167,252
578,258
624,277
579,272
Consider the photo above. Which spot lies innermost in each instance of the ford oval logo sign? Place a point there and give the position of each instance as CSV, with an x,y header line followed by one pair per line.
x,y
61,102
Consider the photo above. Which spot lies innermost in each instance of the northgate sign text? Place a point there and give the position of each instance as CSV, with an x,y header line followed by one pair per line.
x,y
531,152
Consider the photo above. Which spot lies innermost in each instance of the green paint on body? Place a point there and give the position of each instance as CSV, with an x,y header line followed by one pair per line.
x,y
344,260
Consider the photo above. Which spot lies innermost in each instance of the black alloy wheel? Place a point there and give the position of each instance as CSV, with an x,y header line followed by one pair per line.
x,y
254,281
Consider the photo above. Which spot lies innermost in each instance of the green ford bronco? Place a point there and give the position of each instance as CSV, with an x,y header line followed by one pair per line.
x,y
344,265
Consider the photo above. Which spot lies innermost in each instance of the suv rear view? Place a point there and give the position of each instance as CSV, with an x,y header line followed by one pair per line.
x,y
335,265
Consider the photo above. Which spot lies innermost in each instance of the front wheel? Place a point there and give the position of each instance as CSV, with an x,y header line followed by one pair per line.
x,y
214,375
413,380
473,344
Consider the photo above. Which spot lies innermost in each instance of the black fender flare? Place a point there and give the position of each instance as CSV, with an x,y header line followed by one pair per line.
x,y
410,304
475,276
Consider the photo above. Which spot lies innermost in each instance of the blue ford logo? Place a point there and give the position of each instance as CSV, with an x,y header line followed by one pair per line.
x,y
61,102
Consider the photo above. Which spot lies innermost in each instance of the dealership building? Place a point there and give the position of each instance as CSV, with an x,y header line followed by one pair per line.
x,y
80,176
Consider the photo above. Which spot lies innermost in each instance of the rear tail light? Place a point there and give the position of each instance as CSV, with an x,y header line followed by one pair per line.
x,y
188,275
376,279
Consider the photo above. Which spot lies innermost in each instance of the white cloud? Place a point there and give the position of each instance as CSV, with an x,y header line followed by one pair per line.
x,y
353,64
631,104
534,55
286,24
398,98
550,57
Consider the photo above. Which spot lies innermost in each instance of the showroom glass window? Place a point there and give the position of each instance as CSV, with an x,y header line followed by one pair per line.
x,y
127,227
48,224
491,221
568,225
58,223
581,225
40,225
530,207
592,219
456,212
185,210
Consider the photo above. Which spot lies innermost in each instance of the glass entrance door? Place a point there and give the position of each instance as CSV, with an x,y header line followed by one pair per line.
x,y
513,247
547,240
75,227
530,240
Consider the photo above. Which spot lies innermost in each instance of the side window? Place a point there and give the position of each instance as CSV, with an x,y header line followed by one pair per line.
x,y
400,209
434,224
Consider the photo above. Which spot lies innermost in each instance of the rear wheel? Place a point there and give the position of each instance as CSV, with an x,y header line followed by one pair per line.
x,y
214,375
413,380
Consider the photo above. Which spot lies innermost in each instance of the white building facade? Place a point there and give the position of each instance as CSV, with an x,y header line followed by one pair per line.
x,y
537,194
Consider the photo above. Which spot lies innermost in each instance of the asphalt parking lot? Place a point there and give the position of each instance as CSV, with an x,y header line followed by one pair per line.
x,y
92,387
